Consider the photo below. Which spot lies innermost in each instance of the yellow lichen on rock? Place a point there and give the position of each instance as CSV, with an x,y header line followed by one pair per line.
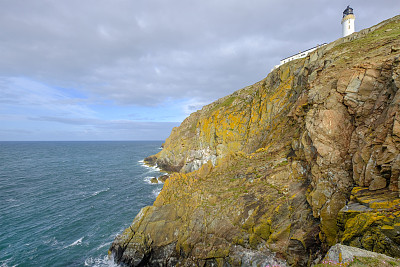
x,y
305,158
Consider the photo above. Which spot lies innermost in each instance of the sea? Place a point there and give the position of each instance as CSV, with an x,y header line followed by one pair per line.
x,y
63,203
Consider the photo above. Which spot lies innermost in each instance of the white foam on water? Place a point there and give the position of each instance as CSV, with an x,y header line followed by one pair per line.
x,y
13,202
52,241
103,245
147,179
100,262
77,242
150,168
156,192
4,263
156,168
100,191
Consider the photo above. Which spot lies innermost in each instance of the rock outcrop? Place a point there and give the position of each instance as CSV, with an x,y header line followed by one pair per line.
x,y
263,175
371,220
341,255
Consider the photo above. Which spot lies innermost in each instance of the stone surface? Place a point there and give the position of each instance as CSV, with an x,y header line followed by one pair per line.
x,y
163,178
377,183
270,168
370,221
346,255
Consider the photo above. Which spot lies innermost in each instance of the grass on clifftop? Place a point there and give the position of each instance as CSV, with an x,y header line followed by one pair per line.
x,y
372,40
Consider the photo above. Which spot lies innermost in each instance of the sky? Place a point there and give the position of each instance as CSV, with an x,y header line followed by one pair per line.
x,y
134,69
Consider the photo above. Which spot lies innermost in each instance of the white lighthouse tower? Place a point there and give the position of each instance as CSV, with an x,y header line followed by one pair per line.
x,y
348,21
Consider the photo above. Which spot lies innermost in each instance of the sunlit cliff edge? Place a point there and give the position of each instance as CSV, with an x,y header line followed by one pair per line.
x,y
280,171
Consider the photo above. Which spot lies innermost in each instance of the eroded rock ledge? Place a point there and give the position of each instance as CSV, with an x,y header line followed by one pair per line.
x,y
264,175
341,255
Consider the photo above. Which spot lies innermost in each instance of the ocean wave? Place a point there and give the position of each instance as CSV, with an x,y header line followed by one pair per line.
x,y
4,263
156,192
51,241
103,245
155,168
100,262
13,203
150,168
100,191
147,179
114,235
87,195
77,242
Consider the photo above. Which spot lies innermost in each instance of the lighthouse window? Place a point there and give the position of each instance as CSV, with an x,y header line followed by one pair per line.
x,y
349,26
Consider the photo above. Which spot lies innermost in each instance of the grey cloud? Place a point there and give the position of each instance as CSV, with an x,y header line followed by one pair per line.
x,y
110,124
95,129
144,52
71,121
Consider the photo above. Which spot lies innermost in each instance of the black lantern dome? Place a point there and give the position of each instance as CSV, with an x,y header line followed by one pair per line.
x,y
347,11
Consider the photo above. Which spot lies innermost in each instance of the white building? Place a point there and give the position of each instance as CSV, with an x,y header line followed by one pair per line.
x,y
347,29
298,55
348,21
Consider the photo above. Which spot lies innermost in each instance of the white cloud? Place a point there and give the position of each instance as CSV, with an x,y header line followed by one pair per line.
x,y
147,55
22,94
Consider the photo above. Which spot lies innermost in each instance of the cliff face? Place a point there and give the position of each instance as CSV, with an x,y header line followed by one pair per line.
x,y
265,173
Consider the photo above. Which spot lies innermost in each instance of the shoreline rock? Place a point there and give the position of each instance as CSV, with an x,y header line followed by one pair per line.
x,y
160,179
163,178
154,180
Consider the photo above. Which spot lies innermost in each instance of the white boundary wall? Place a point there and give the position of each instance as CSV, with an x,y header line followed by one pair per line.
x,y
298,55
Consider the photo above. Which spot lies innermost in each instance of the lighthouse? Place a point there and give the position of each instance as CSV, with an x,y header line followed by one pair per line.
x,y
348,21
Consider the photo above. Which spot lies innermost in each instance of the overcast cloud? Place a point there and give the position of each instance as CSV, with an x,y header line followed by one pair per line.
x,y
131,70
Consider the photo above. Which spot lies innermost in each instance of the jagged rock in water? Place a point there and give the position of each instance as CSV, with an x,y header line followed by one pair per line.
x,y
154,180
163,178
269,169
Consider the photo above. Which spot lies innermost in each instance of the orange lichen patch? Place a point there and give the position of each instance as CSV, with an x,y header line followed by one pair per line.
x,y
384,204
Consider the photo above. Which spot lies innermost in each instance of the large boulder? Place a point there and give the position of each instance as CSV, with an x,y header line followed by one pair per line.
x,y
341,254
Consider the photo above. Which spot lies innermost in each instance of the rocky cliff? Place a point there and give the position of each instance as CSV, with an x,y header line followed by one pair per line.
x,y
279,171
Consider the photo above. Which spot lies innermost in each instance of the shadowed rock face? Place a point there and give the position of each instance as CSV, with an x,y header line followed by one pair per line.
x,y
263,174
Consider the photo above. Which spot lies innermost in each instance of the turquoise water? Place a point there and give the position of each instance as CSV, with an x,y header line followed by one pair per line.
x,y
62,203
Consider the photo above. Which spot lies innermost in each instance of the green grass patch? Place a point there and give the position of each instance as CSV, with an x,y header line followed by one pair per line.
x,y
373,39
226,103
